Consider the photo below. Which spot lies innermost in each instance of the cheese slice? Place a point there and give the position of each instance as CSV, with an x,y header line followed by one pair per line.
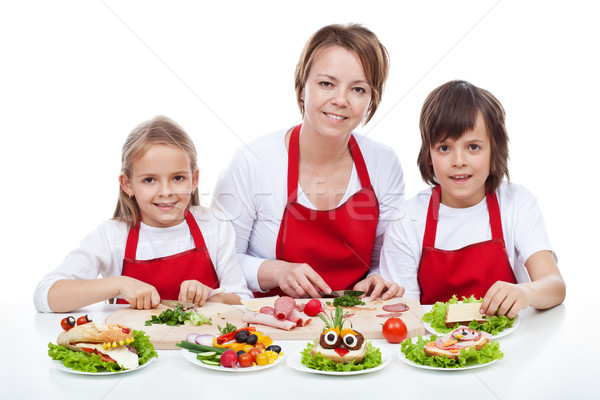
x,y
463,313
120,354
257,303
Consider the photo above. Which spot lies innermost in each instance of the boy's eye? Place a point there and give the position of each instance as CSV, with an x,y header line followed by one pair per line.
x,y
473,147
443,148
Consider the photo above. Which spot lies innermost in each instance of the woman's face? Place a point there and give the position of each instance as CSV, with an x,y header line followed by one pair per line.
x,y
337,94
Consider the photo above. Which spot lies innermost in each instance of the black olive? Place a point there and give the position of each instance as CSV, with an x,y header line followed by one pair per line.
x,y
274,348
239,353
241,336
252,339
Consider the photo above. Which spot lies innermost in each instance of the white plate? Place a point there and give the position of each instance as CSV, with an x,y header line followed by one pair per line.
x,y
294,361
412,363
506,331
191,357
59,365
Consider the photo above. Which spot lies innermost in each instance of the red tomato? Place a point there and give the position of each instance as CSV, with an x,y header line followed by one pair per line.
x,y
245,360
67,323
394,330
255,352
83,320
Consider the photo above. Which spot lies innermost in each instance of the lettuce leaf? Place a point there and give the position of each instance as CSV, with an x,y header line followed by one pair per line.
x,y
437,316
415,353
86,362
371,360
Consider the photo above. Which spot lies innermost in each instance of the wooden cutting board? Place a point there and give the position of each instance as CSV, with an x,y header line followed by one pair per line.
x,y
363,319
164,337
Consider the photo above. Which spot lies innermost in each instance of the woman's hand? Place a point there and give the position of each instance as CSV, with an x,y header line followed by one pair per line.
x,y
193,291
138,294
376,285
300,280
507,298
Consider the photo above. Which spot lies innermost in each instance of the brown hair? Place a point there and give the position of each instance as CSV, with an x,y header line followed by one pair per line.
x,y
353,37
450,111
161,130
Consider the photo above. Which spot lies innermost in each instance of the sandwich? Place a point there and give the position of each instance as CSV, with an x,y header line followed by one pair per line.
x,y
339,344
92,347
463,314
450,345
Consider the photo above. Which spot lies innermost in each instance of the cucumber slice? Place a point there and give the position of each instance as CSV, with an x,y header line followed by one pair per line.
x,y
211,362
206,354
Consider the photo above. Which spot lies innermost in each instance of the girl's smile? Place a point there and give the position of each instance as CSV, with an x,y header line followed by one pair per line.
x,y
462,166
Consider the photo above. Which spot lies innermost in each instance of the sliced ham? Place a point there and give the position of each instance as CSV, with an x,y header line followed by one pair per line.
x,y
284,306
298,318
268,320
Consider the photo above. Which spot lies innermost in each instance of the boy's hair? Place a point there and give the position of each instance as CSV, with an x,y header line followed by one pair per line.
x,y
450,111
352,37
159,130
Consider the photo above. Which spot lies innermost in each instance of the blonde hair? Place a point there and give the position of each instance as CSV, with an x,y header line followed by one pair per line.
x,y
353,37
159,130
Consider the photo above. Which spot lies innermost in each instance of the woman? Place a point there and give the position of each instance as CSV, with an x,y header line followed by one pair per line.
x,y
309,204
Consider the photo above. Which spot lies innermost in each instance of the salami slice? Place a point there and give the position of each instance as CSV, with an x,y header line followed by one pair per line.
x,y
398,307
390,315
284,306
267,310
269,320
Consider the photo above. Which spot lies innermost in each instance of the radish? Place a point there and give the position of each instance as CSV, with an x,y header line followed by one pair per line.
x,y
229,359
313,308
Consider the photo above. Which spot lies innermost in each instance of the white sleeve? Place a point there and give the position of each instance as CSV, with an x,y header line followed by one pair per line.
x,y
226,262
234,196
399,262
390,193
91,259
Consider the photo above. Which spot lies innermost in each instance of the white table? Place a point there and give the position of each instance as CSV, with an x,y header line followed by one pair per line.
x,y
552,355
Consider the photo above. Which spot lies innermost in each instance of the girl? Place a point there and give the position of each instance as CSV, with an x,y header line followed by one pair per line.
x,y
471,234
156,246
309,203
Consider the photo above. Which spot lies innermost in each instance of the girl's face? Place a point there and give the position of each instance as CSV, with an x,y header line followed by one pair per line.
x,y
337,94
162,182
461,167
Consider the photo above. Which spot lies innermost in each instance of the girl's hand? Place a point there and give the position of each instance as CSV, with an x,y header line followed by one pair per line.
x,y
300,280
507,298
139,294
193,291
376,285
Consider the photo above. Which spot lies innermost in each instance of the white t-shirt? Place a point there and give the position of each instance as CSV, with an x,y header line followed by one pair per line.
x,y
252,192
522,225
101,253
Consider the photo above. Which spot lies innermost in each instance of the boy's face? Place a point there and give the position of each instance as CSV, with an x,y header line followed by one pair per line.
x,y
462,166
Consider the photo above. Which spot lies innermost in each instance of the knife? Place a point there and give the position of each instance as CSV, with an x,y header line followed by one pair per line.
x,y
340,293
185,305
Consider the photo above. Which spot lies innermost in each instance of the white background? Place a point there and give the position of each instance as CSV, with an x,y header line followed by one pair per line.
x,y
77,76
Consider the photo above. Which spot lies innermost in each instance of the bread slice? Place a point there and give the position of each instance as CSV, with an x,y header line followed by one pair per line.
x,y
463,314
352,355
95,333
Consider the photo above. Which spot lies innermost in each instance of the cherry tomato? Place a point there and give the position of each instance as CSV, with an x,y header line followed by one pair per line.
x,y
67,323
260,345
254,353
84,319
245,360
394,330
262,359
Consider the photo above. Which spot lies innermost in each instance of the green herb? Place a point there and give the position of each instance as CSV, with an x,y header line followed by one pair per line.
x,y
227,329
176,316
437,318
415,353
371,360
347,300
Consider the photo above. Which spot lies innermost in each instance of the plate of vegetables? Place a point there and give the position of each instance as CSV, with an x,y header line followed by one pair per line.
x,y
243,350
497,326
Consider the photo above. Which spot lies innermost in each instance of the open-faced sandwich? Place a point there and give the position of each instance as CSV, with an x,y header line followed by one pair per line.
x,y
461,347
339,348
91,347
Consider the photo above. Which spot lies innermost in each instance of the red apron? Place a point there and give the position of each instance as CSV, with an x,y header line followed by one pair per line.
x,y
338,243
167,273
468,271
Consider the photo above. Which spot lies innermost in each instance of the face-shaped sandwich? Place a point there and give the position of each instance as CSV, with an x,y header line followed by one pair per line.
x,y
452,343
339,344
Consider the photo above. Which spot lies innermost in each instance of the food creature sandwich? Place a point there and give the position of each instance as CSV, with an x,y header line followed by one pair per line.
x,y
452,343
339,344
89,347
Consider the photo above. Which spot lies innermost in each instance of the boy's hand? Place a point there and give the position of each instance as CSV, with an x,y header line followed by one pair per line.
x,y
139,294
507,298
193,291
374,285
